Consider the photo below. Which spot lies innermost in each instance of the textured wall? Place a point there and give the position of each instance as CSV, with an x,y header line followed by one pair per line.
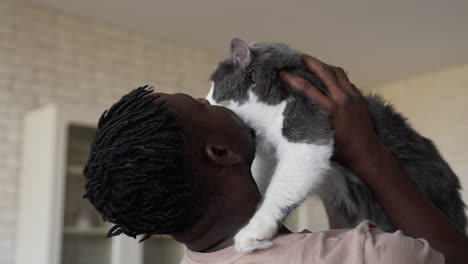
x,y
436,104
47,56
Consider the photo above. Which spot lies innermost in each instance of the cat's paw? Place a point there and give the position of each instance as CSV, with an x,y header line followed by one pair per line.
x,y
256,235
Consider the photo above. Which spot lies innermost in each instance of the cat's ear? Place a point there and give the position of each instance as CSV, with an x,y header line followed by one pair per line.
x,y
241,54
222,155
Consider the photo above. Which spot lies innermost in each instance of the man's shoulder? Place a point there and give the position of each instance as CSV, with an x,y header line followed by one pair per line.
x,y
384,247
362,244
365,243
332,236
325,244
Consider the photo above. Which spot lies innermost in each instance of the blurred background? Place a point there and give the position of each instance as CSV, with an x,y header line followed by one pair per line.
x,y
62,62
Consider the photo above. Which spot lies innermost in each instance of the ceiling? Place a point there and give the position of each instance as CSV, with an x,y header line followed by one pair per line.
x,y
376,41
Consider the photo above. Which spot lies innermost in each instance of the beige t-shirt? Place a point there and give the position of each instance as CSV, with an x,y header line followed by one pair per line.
x,y
363,244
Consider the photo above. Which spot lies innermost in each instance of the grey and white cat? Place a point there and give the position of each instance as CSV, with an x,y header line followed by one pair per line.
x,y
295,143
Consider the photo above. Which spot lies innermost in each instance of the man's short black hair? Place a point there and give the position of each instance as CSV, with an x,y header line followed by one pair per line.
x,y
135,172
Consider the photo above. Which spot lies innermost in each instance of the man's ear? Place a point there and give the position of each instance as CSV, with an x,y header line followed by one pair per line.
x,y
241,54
221,154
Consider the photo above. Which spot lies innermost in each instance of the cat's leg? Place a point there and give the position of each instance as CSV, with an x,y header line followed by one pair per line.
x,y
336,193
299,172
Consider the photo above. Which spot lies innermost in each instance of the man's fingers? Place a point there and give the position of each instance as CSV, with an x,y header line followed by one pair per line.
x,y
344,82
324,73
341,77
355,90
307,88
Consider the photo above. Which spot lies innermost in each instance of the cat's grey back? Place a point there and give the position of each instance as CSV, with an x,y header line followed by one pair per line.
x,y
420,160
417,156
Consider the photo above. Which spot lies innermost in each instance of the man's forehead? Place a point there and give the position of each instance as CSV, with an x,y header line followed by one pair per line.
x,y
181,105
160,96
167,99
172,97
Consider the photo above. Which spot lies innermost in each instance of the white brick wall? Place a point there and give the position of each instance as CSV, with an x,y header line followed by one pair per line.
x,y
47,56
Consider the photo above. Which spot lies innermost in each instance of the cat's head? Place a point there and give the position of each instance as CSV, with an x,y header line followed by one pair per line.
x,y
256,67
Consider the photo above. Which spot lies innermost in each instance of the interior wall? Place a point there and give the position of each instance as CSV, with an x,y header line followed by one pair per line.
x,y
47,56
436,104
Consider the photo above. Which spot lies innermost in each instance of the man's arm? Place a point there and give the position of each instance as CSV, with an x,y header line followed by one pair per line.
x,y
360,148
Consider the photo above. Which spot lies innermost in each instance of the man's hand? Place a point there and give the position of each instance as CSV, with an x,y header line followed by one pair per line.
x,y
355,137
358,145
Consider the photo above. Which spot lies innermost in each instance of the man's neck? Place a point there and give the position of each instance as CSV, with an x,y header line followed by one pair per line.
x,y
220,229
216,227
222,217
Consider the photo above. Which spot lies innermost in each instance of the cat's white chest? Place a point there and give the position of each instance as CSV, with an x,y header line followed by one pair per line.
x,y
266,120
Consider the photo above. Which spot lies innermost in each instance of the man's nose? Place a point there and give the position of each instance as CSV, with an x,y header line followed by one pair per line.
x,y
203,101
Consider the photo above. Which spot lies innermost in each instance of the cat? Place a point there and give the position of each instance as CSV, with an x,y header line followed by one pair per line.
x,y
295,143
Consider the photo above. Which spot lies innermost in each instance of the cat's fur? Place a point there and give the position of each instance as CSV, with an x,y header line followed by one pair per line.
x,y
295,143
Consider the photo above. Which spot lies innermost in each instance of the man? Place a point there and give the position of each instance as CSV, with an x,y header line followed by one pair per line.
x,y
170,164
